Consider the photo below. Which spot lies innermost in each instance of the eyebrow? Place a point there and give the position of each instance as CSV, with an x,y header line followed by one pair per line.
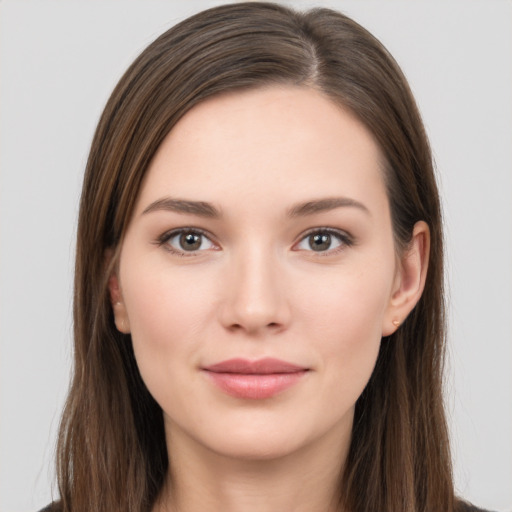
x,y
207,210
323,205
200,208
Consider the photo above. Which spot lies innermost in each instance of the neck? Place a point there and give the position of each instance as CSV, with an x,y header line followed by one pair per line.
x,y
200,480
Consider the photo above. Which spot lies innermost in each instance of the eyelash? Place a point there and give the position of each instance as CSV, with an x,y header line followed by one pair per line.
x,y
165,237
345,240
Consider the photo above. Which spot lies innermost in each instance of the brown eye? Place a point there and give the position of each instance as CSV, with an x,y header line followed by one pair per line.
x,y
324,240
320,241
190,241
187,241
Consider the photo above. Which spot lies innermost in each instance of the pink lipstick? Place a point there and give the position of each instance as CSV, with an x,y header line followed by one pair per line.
x,y
254,380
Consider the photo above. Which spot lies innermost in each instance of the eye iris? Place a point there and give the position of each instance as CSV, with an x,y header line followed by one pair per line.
x,y
190,241
320,241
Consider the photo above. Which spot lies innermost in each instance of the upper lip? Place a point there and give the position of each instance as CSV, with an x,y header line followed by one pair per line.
x,y
267,365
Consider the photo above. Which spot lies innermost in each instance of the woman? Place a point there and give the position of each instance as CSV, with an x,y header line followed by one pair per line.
x,y
258,294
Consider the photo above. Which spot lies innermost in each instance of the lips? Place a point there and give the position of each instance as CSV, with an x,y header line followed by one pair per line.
x,y
260,367
254,380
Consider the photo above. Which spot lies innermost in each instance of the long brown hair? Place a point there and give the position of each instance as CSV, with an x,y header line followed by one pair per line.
x,y
111,452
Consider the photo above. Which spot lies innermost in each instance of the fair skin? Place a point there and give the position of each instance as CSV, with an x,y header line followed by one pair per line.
x,y
291,259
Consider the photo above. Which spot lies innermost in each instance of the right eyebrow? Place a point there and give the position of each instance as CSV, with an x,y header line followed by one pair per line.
x,y
326,204
200,208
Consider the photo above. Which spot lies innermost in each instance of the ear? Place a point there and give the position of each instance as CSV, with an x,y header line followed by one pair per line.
x,y
116,299
410,279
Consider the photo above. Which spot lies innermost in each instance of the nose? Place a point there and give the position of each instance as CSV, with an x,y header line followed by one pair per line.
x,y
254,295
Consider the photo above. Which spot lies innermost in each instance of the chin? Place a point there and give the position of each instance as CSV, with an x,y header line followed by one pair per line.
x,y
261,447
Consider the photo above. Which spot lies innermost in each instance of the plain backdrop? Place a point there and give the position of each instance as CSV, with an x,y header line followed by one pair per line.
x,y
60,60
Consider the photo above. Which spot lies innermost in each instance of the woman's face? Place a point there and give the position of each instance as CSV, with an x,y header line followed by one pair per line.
x,y
258,273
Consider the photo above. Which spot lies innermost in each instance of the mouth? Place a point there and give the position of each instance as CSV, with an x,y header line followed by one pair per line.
x,y
254,380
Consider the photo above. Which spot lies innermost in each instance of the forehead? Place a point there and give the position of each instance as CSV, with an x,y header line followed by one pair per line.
x,y
276,143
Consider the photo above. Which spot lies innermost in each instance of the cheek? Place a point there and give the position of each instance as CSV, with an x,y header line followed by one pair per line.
x,y
167,312
344,320
350,303
163,302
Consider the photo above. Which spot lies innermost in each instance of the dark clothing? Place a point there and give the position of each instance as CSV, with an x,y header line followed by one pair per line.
x,y
467,507
462,507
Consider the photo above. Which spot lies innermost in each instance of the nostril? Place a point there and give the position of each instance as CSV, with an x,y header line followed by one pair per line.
x,y
274,326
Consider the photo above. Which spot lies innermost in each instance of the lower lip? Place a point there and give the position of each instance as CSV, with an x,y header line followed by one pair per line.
x,y
255,386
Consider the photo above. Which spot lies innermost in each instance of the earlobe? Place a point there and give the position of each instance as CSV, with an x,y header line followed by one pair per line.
x,y
118,306
410,280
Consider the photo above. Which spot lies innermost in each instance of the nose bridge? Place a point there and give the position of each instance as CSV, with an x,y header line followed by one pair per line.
x,y
255,290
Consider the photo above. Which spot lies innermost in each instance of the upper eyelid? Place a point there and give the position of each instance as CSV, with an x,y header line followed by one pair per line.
x,y
176,231
332,231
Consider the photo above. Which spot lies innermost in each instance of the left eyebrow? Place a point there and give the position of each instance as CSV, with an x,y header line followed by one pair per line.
x,y
200,208
323,205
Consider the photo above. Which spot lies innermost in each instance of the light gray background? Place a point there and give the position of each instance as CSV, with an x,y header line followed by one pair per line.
x,y
59,62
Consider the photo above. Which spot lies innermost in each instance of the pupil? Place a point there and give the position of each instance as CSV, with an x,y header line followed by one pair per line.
x,y
190,241
320,242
